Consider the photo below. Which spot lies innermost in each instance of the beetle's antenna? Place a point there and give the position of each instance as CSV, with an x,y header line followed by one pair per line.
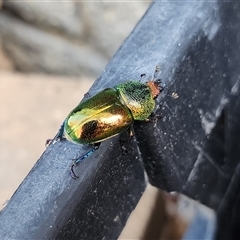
x,y
157,70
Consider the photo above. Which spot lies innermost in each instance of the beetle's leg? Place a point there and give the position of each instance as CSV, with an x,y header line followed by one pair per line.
x,y
123,142
131,132
59,136
143,75
87,95
60,132
79,159
158,80
162,86
153,117
157,70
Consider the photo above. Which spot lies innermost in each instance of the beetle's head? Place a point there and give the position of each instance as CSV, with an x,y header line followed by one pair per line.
x,y
156,87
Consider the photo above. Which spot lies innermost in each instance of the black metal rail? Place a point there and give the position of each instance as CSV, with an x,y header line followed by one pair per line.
x,y
193,149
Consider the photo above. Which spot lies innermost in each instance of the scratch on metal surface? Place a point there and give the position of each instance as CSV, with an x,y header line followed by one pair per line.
x,y
122,64
235,87
208,119
193,174
212,161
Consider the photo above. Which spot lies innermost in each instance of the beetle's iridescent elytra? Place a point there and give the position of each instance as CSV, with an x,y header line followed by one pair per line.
x,y
109,113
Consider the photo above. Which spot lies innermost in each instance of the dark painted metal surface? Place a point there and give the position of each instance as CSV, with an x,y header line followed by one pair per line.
x,y
193,149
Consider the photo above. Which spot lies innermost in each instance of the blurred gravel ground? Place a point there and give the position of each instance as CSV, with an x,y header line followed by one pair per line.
x,y
32,110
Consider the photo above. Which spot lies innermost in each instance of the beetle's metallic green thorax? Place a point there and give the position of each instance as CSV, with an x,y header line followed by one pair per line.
x,y
138,98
